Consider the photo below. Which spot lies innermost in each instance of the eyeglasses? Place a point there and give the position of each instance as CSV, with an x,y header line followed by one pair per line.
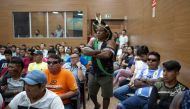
x,y
153,60
74,57
52,62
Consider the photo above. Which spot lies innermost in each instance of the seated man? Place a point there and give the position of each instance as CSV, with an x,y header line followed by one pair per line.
x,y
11,84
143,81
77,50
36,96
61,81
163,92
38,64
76,68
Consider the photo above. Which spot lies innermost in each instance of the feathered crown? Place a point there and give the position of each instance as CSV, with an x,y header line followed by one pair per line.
x,y
99,23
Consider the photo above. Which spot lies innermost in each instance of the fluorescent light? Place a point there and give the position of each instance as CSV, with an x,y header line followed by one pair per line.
x,y
80,14
55,12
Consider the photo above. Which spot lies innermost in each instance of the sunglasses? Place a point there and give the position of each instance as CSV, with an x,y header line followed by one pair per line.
x,y
52,62
153,60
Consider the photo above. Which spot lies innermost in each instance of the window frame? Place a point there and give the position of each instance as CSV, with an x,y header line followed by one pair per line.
x,y
47,28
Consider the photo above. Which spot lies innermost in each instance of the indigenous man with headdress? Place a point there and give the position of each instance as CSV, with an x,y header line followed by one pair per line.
x,y
101,48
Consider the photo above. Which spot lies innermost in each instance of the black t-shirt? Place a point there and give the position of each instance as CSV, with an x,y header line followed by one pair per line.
x,y
129,61
162,96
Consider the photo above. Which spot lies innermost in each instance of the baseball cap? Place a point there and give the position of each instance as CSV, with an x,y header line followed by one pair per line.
x,y
35,77
38,52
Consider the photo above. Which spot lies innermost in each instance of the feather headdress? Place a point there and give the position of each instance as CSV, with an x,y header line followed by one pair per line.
x,y
99,23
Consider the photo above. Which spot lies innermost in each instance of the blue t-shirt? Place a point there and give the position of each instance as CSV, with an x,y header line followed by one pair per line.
x,y
82,60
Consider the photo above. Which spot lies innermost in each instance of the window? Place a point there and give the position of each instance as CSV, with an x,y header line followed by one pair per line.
x,y
48,24
38,24
74,23
21,24
56,24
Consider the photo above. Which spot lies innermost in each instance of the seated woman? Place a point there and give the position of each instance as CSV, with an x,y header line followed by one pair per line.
x,y
118,63
128,62
140,65
61,52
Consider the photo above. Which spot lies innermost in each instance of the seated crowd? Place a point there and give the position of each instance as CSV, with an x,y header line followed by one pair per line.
x,y
21,77
38,77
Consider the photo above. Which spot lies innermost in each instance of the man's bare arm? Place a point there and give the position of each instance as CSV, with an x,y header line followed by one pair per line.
x,y
108,51
68,94
90,52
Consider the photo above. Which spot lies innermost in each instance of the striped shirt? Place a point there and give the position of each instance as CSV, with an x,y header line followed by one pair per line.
x,y
148,74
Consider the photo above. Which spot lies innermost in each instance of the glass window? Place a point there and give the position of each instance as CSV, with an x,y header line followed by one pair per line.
x,y
56,24
48,24
21,24
74,23
38,24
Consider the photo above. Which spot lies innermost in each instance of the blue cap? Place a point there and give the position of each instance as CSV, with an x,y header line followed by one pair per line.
x,y
38,52
35,77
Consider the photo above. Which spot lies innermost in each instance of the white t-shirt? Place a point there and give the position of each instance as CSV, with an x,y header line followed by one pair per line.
x,y
49,101
140,66
45,53
2,56
119,52
123,40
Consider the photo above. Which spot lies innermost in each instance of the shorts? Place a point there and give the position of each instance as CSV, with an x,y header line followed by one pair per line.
x,y
105,82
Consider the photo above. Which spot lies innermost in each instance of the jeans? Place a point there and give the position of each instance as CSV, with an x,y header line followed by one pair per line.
x,y
121,92
134,102
116,72
122,74
68,106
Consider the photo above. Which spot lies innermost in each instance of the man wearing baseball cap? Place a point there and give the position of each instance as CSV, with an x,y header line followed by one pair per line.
x,y
36,95
38,64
